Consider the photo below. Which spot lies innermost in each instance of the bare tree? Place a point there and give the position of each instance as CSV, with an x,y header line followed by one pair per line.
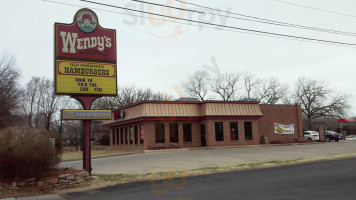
x,y
225,85
271,91
65,102
29,97
317,100
107,103
127,96
39,103
250,84
197,85
266,91
9,90
49,101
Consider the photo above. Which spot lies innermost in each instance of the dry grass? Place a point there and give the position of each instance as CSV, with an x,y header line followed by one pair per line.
x,y
78,155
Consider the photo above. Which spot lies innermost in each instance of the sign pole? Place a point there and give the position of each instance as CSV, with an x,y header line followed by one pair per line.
x,y
86,102
87,147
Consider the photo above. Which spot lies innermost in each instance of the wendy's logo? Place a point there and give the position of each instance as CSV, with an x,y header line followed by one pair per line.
x,y
87,21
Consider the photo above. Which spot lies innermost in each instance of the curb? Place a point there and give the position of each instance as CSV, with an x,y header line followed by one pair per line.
x,y
93,158
167,150
43,197
252,146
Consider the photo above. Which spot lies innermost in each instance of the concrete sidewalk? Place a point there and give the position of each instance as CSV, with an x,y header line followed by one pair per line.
x,y
213,157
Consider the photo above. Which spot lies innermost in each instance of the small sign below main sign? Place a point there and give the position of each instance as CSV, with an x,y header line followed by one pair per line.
x,y
86,114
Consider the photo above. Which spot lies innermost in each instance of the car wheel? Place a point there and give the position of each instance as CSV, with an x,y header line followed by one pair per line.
x,y
310,140
328,139
336,140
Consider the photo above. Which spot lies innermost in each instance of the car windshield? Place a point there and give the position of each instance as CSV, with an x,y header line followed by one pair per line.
x,y
310,132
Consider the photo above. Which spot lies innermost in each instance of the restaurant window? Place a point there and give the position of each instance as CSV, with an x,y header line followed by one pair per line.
x,y
113,137
122,135
136,134
117,136
234,133
187,132
141,134
173,132
248,130
219,131
159,132
126,135
131,134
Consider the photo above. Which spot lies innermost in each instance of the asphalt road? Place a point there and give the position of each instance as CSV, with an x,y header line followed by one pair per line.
x,y
320,180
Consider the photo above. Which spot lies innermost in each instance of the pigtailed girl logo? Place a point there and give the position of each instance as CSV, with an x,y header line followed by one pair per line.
x,y
86,21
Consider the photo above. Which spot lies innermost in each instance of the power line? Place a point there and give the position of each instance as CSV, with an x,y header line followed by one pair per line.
x,y
313,8
157,4
268,21
224,26
209,27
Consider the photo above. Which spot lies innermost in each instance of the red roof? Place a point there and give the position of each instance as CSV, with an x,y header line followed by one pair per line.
x,y
345,120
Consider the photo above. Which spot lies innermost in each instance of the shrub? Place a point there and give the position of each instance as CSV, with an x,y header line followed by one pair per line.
x,y
27,152
50,134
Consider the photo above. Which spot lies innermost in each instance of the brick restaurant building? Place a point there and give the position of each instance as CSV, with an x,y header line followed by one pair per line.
x,y
176,124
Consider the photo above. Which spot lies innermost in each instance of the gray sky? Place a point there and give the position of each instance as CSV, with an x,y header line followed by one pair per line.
x,y
160,54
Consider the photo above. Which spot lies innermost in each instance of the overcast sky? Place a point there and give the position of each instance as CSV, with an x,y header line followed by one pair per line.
x,y
160,55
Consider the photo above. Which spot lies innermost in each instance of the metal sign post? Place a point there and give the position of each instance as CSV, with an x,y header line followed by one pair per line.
x,y
86,104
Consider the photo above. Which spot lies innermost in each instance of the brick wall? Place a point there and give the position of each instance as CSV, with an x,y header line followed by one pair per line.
x,y
281,114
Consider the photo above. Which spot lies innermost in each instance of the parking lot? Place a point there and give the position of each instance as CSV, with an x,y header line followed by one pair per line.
x,y
199,158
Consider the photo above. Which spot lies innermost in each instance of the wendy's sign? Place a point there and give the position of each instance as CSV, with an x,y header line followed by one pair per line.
x,y
85,38
87,52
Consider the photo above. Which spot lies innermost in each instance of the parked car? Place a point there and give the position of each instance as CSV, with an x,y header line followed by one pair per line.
x,y
311,135
351,137
332,135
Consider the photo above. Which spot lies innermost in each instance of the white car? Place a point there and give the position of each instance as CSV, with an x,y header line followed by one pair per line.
x,y
311,135
351,137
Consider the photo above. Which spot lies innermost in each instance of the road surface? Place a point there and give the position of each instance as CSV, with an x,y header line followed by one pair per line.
x,y
321,180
